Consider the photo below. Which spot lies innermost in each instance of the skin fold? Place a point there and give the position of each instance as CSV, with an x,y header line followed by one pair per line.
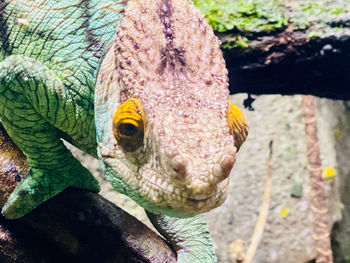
x,y
141,85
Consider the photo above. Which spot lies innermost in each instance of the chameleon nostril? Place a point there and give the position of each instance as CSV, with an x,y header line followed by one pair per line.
x,y
226,164
179,164
228,160
222,170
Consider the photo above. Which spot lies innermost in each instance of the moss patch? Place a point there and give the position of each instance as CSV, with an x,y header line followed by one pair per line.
x,y
243,15
269,15
311,12
246,21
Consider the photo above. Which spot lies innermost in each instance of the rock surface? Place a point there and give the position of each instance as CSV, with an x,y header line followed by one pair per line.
x,y
341,231
288,230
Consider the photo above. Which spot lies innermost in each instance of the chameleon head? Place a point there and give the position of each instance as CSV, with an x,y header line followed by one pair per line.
x,y
167,133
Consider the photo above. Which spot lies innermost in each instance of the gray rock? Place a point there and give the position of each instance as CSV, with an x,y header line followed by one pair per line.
x,y
288,233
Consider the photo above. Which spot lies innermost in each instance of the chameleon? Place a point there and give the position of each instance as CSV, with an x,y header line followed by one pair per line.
x,y
142,86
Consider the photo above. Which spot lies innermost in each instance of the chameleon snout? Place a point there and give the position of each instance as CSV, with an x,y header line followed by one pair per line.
x,y
200,176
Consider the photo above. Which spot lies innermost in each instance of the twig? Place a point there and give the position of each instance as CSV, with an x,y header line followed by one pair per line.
x,y
260,225
318,198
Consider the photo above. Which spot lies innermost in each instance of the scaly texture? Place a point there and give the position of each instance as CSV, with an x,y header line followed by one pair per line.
x,y
163,127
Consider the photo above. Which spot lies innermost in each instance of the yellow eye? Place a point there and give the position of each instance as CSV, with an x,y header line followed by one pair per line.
x,y
129,122
238,124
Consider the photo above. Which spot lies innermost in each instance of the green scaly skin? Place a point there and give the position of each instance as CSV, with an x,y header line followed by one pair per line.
x,y
49,58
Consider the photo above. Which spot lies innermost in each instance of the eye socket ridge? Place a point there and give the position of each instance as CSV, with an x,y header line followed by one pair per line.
x,y
129,122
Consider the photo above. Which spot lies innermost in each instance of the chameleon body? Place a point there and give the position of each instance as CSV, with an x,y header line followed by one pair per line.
x,y
142,86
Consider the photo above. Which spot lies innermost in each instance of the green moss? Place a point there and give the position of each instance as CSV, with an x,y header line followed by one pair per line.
x,y
243,15
246,20
309,12
269,15
316,8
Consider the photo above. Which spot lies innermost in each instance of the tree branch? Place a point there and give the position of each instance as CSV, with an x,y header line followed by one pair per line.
x,y
318,197
264,210
75,226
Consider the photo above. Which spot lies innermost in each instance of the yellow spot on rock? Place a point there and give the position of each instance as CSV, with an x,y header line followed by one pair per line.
x,y
237,251
337,134
284,212
329,172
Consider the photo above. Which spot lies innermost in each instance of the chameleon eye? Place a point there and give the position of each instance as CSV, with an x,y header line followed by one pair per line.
x,y
238,124
127,129
129,123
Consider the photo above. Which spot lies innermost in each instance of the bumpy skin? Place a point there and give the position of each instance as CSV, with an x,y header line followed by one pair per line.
x,y
66,67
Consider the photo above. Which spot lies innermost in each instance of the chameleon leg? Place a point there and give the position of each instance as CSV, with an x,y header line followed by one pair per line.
x,y
188,236
30,104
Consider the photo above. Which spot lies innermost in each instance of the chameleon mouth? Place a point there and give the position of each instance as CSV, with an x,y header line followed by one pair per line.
x,y
165,194
196,200
156,192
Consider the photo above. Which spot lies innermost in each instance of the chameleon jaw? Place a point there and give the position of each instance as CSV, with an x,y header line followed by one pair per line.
x,y
155,192
163,193
148,177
